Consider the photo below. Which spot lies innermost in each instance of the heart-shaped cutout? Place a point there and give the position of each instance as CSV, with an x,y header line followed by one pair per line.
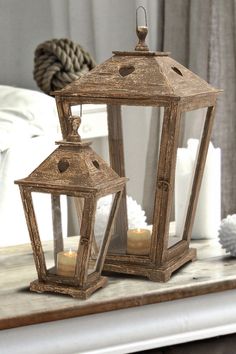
x,y
63,165
126,70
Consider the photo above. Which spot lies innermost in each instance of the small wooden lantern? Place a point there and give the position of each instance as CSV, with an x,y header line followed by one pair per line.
x,y
73,170
146,78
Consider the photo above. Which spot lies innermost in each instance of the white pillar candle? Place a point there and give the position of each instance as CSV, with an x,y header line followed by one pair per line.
x,y
66,262
208,213
138,241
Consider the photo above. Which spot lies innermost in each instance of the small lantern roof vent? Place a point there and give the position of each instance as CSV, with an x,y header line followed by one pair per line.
x,y
82,169
136,75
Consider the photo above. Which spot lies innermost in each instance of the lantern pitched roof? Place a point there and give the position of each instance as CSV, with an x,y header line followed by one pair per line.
x,y
74,168
136,75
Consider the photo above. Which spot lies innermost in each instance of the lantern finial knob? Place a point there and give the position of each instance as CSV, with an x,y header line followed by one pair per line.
x,y
141,31
74,123
73,126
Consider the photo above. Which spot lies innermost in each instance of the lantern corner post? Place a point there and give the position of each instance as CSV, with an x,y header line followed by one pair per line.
x,y
117,161
64,112
165,182
31,221
167,259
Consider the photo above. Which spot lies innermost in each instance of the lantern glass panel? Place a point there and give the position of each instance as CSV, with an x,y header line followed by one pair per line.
x,y
187,154
139,125
103,212
141,161
59,248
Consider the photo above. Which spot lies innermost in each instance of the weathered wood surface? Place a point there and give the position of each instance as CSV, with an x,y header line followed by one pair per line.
x,y
117,157
163,261
79,172
143,78
214,271
138,77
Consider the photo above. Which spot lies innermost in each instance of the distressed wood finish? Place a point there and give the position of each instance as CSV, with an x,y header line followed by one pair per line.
x,y
187,103
214,271
57,225
64,112
73,169
33,233
165,184
75,292
85,245
163,261
117,163
145,78
153,77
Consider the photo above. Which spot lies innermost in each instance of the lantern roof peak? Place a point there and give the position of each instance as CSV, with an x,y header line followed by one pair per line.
x,y
74,166
137,75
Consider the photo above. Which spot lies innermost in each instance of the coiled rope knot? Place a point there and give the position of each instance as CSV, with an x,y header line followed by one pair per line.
x,y
58,62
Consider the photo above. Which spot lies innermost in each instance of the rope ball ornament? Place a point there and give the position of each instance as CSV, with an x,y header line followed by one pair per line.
x,y
58,62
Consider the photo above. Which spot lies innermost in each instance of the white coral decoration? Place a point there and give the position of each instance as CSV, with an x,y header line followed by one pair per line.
x,y
136,216
227,234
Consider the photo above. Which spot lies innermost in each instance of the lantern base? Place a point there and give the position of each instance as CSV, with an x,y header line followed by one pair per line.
x,y
160,274
78,293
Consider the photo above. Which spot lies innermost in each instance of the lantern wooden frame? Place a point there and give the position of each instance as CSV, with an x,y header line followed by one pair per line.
x,y
75,170
144,78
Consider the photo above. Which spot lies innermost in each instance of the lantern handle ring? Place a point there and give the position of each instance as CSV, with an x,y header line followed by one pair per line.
x,y
145,15
141,31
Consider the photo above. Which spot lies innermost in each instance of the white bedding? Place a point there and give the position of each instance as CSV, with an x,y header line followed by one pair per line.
x,y
17,162
29,126
28,129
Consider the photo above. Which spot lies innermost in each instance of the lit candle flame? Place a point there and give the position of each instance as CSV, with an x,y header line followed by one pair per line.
x,y
70,253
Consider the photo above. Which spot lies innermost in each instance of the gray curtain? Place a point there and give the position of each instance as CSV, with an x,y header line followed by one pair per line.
x,y
202,36
222,73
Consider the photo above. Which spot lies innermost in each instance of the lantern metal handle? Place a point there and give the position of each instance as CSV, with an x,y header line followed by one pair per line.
x,y
141,31
145,15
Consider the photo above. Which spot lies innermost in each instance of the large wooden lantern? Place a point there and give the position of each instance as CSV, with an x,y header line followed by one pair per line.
x,y
72,265
150,79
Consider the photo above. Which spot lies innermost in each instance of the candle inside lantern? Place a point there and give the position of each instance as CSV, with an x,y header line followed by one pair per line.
x,y
66,262
138,241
